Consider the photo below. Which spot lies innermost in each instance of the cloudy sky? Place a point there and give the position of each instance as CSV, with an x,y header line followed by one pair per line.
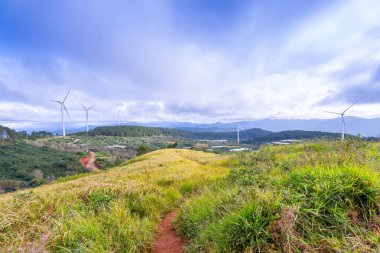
x,y
181,60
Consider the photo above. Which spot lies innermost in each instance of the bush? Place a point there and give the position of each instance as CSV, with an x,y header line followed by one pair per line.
x,y
143,150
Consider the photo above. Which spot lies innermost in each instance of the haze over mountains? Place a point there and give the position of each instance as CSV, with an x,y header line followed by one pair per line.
x,y
354,125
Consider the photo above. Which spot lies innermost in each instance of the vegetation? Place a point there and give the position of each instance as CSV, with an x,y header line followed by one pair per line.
x,y
314,197
320,196
143,150
111,211
249,136
8,135
23,165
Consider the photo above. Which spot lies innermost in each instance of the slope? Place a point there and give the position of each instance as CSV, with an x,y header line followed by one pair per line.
x,y
112,211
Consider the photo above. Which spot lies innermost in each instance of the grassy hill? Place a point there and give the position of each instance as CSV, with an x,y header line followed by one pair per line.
x,y
113,211
320,196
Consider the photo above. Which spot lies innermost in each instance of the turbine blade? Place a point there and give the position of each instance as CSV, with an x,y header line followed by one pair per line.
x,y
66,96
352,105
330,112
91,107
83,106
56,101
66,110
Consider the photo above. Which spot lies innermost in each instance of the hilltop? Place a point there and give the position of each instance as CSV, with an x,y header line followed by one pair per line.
x,y
309,197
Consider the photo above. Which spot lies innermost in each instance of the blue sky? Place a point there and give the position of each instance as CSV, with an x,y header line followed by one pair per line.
x,y
180,60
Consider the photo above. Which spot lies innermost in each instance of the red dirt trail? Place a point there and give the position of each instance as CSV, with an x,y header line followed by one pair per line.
x,y
167,240
89,162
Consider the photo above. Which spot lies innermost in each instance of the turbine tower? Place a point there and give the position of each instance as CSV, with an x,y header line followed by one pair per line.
x,y
342,117
63,107
118,116
87,109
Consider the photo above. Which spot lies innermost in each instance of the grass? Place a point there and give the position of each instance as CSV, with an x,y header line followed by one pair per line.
x,y
320,196
111,211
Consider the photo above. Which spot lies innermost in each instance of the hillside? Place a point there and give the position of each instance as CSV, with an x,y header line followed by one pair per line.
x,y
354,125
23,165
115,210
249,136
320,196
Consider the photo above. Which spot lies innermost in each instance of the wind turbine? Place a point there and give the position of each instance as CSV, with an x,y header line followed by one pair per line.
x,y
87,109
118,116
62,103
342,116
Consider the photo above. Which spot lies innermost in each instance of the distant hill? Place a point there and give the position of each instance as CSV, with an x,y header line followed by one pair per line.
x,y
254,135
354,125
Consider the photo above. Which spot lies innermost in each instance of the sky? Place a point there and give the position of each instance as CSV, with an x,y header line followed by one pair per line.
x,y
195,61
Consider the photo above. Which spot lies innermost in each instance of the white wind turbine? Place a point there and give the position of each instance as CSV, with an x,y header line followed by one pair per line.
x,y
118,116
342,116
87,109
62,103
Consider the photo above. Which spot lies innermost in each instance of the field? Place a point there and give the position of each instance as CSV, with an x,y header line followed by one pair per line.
x,y
320,196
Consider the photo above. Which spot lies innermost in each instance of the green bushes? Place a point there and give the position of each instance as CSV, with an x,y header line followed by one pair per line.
x,y
23,165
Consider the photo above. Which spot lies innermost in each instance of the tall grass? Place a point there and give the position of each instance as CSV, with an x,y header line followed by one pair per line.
x,y
111,211
321,196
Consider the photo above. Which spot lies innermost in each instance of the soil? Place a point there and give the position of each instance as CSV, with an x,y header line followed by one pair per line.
x,y
89,162
167,240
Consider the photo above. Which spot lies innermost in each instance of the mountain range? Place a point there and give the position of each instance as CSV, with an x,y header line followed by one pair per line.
x,y
354,126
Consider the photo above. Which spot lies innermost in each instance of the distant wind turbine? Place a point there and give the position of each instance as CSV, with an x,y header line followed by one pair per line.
x,y
87,109
238,133
118,116
342,116
62,103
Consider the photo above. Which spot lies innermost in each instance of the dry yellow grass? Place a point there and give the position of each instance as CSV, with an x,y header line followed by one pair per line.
x,y
112,211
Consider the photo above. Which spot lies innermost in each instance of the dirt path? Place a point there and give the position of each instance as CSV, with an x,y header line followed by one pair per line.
x,y
89,162
167,240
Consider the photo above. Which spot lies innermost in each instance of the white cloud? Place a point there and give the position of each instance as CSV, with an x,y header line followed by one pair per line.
x,y
154,70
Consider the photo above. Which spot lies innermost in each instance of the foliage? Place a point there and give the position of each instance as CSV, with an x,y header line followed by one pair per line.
x,y
23,165
143,150
8,135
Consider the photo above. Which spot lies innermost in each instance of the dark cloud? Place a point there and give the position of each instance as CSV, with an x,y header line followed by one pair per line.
x,y
367,91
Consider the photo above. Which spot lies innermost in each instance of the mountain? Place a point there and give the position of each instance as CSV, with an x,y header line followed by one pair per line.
x,y
354,125
251,136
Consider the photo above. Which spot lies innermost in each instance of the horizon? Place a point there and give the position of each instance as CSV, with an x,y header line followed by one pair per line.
x,y
356,125
180,61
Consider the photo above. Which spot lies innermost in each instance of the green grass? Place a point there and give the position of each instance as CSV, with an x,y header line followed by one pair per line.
x,y
319,196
